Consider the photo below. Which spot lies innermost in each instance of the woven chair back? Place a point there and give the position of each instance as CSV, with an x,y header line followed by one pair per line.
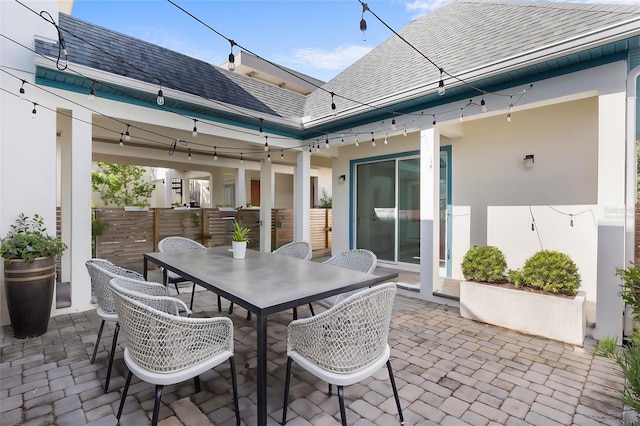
x,y
178,243
357,259
101,272
350,335
164,343
297,249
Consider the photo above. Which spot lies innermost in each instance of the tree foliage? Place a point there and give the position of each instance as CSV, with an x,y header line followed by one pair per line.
x,y
121,185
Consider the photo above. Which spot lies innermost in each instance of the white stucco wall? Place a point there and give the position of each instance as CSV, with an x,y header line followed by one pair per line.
x,y
28,153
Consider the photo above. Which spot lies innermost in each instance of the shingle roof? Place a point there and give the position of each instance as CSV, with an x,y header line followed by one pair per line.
x,y
87,44
458,37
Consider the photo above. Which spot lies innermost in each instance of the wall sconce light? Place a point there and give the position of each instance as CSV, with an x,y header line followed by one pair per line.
x,y
528,161
342,178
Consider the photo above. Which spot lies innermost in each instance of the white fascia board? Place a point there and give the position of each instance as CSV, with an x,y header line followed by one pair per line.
x,y
600,37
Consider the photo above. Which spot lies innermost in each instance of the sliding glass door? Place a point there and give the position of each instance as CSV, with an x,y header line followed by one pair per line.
x,y
388,208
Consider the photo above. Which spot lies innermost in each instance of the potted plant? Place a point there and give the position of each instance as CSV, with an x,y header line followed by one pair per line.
x,y
541,299
239,239
29,273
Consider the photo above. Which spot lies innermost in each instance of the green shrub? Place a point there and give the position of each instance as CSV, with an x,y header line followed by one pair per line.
x,y
484,264
553,272
631,287
515,277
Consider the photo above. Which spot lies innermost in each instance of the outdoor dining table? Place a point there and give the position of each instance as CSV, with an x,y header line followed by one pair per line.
x,y
263,283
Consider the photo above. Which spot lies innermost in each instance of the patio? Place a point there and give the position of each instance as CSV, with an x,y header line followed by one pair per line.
x,y
449,370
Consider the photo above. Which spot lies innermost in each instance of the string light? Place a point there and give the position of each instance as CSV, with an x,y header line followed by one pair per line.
x,y
232,59
127,136
363,23
22,92
189,154
326,142
160,98
281,154
404,132
269,157
266,144
241,158
441,89
33,111
215,153
393,124
92,92
373,140
483,105
509,109
385,139
195,129
121,142
461,114
310,149
357,144
334,111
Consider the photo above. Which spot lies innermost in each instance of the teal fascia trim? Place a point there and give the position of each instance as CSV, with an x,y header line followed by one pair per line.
x,y
352,182
532,74
137,98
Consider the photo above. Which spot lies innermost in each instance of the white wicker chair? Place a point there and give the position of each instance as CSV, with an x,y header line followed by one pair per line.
x,y
170,244
164,349
101,272
358,260
345,344
298,249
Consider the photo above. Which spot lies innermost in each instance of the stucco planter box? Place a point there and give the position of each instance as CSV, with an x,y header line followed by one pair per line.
x,y
553,317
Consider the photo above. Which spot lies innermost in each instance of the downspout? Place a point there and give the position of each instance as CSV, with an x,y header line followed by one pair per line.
x,y
631,184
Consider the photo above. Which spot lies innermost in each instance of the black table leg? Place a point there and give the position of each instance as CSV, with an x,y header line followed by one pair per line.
x,y
261,323
145,268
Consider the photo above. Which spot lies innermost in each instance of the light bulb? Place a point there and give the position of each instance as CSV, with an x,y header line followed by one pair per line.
x,y
160,99
363,28
241,159
385,139
393,124
357,144
22,92
483,106
215,153
334,111
441,89
127,136
189,155
281,154
404,133
373,140
326,143
195,129
121,142
92,94
232,62
33,111
266,144
269,158
509,117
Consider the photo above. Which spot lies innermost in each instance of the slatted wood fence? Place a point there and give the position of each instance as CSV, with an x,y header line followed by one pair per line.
x,y
128,235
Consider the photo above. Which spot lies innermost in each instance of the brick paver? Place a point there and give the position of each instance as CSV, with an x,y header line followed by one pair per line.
x,y
449,371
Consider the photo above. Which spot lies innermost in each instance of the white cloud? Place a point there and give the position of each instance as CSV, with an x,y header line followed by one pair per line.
x,y
336,59
420,8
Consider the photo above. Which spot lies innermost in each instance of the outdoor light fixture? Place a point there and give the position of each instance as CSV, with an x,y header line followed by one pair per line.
x,y
22,92
483,105
334,111
195,129
528,161
342,178
160,99
441,89
232,59
127,135
92,93
33,111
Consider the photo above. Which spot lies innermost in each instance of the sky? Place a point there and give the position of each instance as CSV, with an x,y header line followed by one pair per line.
x,y
318,38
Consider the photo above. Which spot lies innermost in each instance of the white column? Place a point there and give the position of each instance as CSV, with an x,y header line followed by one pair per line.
x,y
301,197
429,210
241,187
217,187
611,215
266,204
76,210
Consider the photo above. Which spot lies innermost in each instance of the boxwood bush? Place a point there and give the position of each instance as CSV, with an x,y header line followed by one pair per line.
x,y
484,264
551,271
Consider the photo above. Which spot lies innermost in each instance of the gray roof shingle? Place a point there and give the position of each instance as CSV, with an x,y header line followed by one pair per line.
x,y
458,37
103,49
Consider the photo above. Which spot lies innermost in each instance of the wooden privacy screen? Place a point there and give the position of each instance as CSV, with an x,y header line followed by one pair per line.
x,y
128,235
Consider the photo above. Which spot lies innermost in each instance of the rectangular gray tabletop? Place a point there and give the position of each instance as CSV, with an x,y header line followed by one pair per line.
x,y
262,283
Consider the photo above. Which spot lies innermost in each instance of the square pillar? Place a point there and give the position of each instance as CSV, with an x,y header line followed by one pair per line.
x,y
301,197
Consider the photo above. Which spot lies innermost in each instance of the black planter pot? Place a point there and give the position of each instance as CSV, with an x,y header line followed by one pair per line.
x,y
29,289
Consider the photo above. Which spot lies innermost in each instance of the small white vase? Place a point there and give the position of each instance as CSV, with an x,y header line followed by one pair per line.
x,y
239,249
